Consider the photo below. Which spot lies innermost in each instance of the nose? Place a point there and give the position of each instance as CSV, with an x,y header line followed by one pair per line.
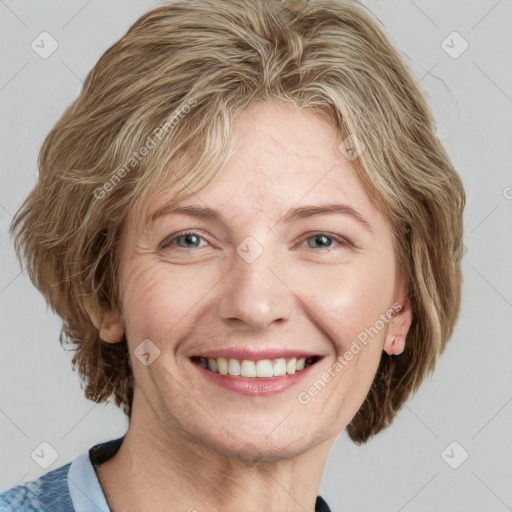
x,y
256,293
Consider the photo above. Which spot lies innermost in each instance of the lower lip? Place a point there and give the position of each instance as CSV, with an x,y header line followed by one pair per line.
x,y
256,386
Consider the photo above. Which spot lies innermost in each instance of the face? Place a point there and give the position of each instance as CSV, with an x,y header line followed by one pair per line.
x,y
266,286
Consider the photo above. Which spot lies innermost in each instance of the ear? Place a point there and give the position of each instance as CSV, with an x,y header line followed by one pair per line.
x,y
107,321
398,327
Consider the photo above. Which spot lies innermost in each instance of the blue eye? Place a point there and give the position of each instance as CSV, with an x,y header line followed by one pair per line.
x,y
188,238
325,241
191,240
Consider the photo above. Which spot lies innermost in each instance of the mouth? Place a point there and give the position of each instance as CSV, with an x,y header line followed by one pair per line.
x,y
248,368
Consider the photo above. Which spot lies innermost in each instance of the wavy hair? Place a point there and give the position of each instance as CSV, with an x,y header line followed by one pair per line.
x,y
166,94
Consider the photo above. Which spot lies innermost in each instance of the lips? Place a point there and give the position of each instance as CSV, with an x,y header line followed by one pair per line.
x,y
255,377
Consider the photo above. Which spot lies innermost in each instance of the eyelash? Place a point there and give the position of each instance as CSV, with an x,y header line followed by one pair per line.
x,y
340,240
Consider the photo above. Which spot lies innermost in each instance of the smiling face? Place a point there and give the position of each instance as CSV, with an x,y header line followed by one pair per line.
x,y
257,284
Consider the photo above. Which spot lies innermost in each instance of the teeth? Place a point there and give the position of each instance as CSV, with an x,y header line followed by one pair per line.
x,y
279,367
262,368
212,363
233,367
248,369
222,365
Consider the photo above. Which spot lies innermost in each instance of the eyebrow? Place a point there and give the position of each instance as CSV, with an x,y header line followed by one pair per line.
x,y
292,215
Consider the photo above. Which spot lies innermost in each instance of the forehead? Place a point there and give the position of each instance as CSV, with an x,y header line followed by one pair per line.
x,y
284,158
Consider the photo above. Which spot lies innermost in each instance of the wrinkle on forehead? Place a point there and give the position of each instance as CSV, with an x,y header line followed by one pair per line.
x,y
286,107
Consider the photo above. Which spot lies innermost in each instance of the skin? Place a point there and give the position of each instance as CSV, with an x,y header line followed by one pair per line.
x,y
192,444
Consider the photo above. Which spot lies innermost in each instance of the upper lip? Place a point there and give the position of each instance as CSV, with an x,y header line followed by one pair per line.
x,y
255,354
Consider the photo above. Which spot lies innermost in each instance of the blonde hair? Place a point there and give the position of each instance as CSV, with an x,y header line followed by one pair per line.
x,y
173,85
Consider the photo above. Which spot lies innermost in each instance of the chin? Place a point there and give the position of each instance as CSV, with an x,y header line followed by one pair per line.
x,y
256,441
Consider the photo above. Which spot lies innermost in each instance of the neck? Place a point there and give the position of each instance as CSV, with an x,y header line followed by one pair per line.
x,y
155,468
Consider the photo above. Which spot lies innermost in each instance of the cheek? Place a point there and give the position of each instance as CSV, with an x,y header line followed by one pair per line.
x,y
350,299
351,303
158,300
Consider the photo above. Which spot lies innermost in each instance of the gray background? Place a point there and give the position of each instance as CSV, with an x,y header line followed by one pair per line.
x,y
467,400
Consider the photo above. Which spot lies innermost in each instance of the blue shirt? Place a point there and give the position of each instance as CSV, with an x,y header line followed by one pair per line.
x,y
73,487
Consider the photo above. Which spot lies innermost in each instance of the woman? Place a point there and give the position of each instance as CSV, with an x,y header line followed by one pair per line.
x,y
251,233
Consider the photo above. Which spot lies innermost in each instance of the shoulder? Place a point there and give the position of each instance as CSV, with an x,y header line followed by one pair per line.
x,y
73,487
48,493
